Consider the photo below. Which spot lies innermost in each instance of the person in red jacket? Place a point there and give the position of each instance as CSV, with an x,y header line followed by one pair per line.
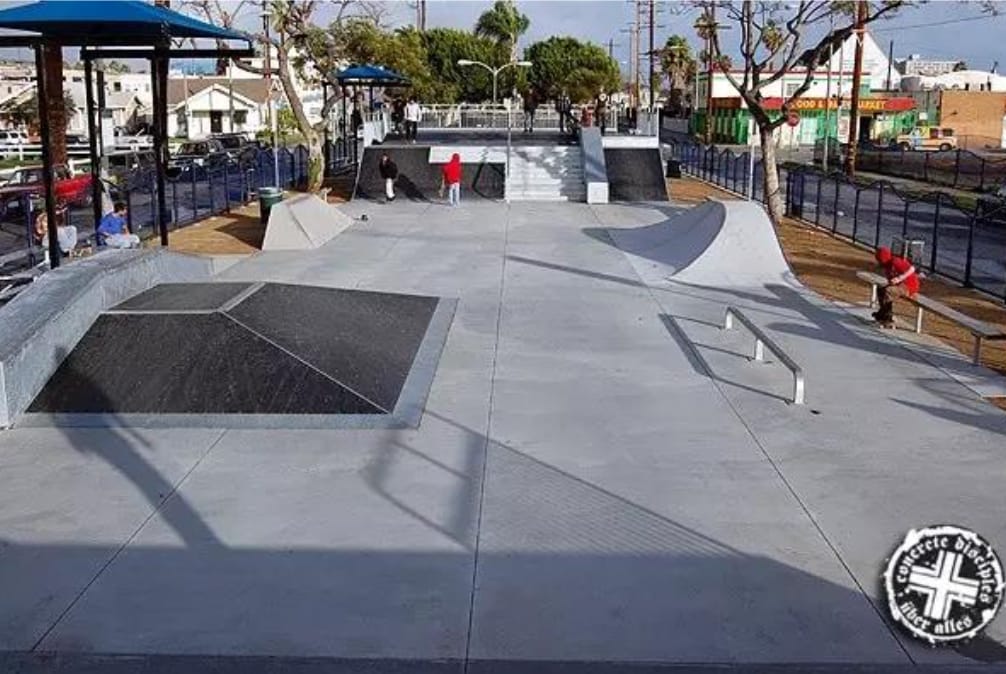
x,y
452,179
902,280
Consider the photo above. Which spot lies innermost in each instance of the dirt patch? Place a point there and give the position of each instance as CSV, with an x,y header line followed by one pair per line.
x,y
236,233
828,265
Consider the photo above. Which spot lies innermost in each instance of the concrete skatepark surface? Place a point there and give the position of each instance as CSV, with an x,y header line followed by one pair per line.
x,y
601,479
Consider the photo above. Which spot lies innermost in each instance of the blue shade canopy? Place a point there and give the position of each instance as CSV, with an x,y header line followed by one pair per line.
x,y
371,74
97,21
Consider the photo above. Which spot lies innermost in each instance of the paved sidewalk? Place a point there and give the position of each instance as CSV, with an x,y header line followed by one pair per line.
x,y
601,476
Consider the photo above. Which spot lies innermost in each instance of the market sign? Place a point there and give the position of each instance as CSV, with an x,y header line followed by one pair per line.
x,y
865,104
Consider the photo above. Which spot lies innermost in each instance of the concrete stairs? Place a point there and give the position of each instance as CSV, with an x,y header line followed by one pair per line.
x,y
537,173
552,173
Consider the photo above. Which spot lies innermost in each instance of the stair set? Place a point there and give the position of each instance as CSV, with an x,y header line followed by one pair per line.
x,y
537,173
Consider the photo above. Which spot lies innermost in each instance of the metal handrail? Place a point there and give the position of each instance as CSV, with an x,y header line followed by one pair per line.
x,y
763,341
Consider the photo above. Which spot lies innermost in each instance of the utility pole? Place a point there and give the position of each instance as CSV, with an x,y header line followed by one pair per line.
x,y
709,80
650,81
611,49
857,75
890,63
636,59
421,15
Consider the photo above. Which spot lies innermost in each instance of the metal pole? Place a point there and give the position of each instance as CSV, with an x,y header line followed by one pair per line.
x,y
709,81
509,124
857,75
269,107
48,179
92,137
159,71
827,102
650,83
890,63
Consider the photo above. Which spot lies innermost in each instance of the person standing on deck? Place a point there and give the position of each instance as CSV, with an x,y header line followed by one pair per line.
x,y
452,179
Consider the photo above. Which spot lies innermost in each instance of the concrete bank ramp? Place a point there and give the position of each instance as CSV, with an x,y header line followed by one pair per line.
x,y
303,222
716,244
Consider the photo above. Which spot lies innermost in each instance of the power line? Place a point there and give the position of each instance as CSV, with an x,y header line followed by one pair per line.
x,y
931,24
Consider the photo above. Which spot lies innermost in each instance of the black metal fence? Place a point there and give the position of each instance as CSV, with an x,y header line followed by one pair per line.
x,y
962,242
952,168
192,193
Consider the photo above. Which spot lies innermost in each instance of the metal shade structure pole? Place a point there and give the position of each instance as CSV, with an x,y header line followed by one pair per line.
x,y
159,78
92,137
48,177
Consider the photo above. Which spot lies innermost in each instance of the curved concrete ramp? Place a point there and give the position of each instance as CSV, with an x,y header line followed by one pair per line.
x,y
718,244
302,223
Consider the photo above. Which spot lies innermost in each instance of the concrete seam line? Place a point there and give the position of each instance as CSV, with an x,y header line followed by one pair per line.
x,y
488,435
303,362
157,509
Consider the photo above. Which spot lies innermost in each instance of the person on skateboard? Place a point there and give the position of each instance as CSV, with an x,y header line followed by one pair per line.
x,y
902,281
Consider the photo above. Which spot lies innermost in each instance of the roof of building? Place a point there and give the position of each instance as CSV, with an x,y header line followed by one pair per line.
x,y
121,99
256,90
93,21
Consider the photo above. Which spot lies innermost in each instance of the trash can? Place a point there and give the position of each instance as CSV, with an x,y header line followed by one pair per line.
x,y
673,168
267,198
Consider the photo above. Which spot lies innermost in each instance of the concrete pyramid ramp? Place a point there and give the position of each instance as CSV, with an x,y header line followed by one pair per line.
x,y
715,244
302,223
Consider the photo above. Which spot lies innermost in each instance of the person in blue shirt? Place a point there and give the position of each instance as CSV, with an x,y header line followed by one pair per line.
x,y
113,230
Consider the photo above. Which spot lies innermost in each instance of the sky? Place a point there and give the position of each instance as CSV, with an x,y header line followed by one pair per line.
x,y
948,29
943,29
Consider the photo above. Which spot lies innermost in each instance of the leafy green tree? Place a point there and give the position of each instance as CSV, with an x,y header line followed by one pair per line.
x,y
503,23
583,69
445,46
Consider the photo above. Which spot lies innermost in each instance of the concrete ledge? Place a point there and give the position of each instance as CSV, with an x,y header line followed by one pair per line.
x,y
643,142
40,326
595,169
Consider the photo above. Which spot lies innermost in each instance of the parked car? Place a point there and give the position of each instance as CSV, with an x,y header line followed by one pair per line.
x,y
13,137
27,181
124,139
76,139
928,138
123,162
208,153
238,147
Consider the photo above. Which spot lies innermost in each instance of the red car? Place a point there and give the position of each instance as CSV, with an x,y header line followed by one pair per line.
x,y
72,190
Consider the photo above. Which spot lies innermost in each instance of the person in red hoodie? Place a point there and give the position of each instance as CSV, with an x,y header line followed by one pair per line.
x,y
902,280
452,179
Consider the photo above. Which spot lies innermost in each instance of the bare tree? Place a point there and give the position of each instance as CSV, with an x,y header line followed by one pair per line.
x,y
775,41
302,51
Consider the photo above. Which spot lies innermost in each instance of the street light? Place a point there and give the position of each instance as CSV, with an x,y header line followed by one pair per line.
x,y
266,16
495,71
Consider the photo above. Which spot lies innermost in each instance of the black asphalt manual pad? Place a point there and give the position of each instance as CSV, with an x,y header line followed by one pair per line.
x,y
184,297
187,363
365,340
274,349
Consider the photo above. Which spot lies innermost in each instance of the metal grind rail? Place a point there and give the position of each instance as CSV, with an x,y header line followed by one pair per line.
x,y
763,341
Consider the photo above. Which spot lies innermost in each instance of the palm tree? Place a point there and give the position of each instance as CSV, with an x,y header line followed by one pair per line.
x,y
678,64
504,24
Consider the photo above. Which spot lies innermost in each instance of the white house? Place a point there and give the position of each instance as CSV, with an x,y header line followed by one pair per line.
x,y
199,106
963,80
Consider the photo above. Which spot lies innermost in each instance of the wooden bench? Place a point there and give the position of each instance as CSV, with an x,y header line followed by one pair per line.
x,y
980,330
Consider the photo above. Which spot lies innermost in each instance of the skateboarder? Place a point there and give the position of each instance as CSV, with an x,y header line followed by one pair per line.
x,y
902,281
452,179
389,172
